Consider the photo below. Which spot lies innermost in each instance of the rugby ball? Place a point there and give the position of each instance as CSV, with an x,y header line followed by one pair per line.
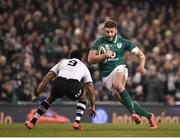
x,y
101,50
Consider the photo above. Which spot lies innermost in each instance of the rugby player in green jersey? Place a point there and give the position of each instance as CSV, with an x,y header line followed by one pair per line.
x,y
114,70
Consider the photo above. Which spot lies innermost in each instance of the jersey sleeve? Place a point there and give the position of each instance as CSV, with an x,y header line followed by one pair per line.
x,y
129,45
95,44
87,75
55,68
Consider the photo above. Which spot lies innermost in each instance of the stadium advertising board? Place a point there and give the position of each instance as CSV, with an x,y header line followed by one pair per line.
x,y
105,113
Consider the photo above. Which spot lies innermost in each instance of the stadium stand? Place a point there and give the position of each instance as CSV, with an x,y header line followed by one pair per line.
x,y
35,34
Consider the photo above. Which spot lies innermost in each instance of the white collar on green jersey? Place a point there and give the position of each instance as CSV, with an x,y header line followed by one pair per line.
x,y
115,39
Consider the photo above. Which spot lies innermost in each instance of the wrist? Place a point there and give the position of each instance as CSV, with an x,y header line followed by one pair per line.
x,y
141,65
105,56
92,106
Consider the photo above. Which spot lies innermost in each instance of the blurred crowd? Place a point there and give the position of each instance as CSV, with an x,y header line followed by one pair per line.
x,y
36,34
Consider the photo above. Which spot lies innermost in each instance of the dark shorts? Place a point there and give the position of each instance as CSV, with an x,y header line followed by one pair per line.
x,y
69,87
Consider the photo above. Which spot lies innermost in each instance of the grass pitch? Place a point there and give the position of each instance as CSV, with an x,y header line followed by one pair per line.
x,y
90,130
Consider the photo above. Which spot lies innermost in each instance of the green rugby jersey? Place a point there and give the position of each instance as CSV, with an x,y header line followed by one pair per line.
x,y
119,46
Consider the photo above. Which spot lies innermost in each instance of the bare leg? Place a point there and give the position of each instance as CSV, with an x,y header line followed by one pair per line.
x,y
81,106
42,109
119,85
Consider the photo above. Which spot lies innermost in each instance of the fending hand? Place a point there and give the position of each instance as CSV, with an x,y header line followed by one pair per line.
x,y
141,70
34,99
92,112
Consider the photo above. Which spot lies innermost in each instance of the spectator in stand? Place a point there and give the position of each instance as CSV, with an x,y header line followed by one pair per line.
x,y
50,29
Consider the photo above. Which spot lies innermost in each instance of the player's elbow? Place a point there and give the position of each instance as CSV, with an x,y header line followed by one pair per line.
x,y
92,57
142,56
90,60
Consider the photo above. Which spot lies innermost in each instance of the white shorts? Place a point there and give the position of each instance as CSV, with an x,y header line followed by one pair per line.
x,y
109,79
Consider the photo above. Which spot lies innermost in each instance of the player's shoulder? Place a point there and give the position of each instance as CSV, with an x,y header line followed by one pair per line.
x,y
123,39
120,38
83,67
100,40
62,60
77,60
82,64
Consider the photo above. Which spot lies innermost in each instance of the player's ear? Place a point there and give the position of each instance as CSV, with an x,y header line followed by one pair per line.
x,y
116,31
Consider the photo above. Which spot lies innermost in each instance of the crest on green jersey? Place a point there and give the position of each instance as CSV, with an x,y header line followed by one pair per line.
x,y
119,45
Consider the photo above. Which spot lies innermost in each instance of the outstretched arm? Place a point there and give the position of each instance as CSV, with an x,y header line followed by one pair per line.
x,y
90,90
43,84
142,60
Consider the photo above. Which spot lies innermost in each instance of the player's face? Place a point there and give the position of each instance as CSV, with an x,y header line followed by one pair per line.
x,y
110,33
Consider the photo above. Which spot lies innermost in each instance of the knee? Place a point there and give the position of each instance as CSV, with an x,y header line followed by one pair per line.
x,y
82,98
119,88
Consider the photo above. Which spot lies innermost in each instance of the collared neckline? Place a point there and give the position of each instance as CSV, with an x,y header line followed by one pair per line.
x,y
115,39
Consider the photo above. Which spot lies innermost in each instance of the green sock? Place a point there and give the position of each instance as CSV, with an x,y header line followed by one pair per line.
x,y
140,110
127,101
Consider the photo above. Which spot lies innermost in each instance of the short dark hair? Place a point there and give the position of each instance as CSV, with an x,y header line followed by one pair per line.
x,y
76,54
110,24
